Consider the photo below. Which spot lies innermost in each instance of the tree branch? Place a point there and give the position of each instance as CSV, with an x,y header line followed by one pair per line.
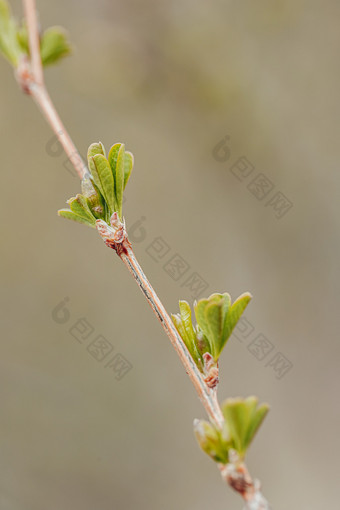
x,y
31,79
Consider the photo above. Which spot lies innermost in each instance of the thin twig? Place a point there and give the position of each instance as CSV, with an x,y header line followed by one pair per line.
x,y
206,395
34,40
31,78
43,100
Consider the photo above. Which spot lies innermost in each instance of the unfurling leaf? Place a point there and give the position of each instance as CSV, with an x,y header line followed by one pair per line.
x,y
80,211
103,178
116,160
112,157
66,213
95,199
212,441
79,205
185,328
119,183
9,44
54,45
102,191
234,313
217,317
128,167
22,37
243,418
95,148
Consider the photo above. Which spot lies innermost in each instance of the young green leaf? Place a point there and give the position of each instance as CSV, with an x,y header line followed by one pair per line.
x,y
234,313
79,206
235,413
210,316
211,441
189,332
129,160
54,45
185,312
66,213
22,37
199,308
95,199
178,323
112,157
216,317
187,339
257,418
202,342
119,182
243,419
215,313
9,44
95,148
103,179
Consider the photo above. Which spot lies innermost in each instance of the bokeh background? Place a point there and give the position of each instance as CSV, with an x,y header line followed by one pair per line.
x,y
171,79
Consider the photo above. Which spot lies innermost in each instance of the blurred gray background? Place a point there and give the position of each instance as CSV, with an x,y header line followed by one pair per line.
x,y
171,79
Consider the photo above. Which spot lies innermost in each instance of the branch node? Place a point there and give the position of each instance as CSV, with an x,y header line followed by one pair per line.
x,y
211,371
114,236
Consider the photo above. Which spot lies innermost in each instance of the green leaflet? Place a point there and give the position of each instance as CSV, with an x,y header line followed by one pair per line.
x,y
112,158
211,441
235,312
235,413
54,45
95,199
119,183
128,166
22,37
215,314
9,45
202,341
185,328
243,419
216,317
257,418
185,312
79,206
116,160
103,178
66,213
95,148
113,154
178,323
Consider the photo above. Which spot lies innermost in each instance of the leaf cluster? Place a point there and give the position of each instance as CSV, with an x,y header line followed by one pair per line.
x,y
102,192
216,318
